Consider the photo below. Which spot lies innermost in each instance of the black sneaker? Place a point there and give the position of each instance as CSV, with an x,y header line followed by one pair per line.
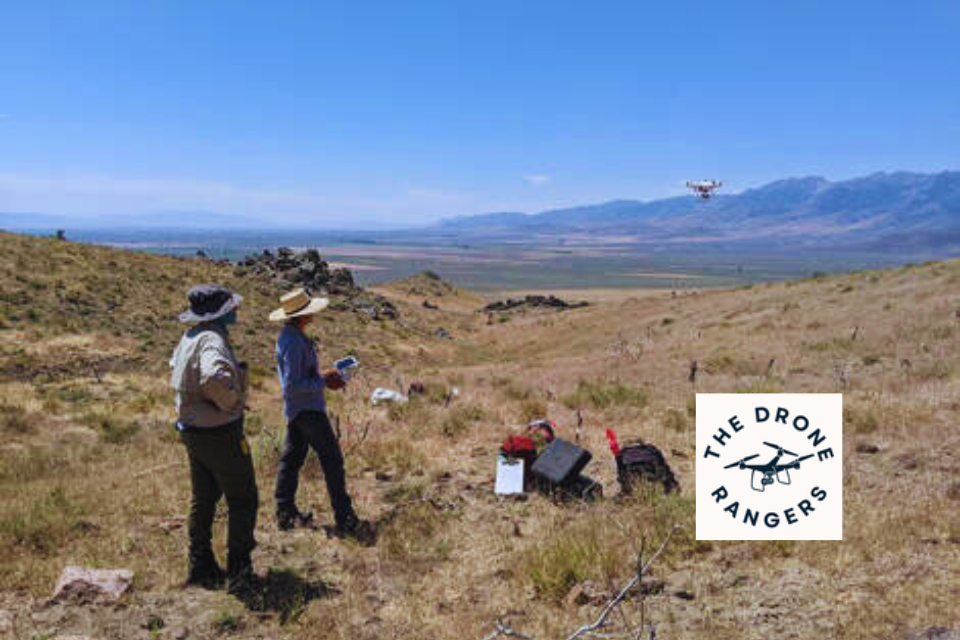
x,y
356,529
293,519
241,581
205,573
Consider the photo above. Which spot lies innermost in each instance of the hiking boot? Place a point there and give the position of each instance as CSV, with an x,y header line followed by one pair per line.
x,y
241,580
294,519
356,529
205,573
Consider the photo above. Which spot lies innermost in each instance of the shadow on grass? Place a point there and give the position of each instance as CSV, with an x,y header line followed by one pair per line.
x,y
283,592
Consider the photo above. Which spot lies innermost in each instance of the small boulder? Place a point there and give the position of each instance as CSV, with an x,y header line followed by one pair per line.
x,y
577,597
92,585
867,448
6,622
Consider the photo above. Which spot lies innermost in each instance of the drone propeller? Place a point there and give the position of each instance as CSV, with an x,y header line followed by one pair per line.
x,y
803,458
741,461
779,448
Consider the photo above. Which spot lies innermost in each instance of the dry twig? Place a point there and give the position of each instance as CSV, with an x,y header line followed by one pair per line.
x,y
590,629
504,630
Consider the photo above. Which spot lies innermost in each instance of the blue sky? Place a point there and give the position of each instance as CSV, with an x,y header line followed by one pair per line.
x,y
365,114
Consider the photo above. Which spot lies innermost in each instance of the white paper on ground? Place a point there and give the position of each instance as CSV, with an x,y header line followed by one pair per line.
x,y
509,476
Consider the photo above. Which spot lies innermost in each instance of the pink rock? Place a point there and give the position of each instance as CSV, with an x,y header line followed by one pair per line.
x,y
92,585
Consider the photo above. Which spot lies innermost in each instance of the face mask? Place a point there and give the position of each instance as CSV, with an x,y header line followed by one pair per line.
x,y
229,319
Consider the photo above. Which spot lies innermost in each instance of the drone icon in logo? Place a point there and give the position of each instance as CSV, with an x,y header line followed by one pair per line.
x,y
770,469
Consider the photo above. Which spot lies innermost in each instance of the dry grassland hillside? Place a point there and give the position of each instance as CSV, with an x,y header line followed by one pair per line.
x,y
92,472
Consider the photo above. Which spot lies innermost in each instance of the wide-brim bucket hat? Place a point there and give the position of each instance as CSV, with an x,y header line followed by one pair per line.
x,y
298,303
209,302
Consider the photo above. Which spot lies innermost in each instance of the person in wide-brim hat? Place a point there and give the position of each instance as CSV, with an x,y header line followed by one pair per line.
x,y
211,386
308,426
297,304
208,302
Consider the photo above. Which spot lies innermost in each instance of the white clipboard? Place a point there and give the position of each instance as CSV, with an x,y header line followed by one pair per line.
x,y
509,477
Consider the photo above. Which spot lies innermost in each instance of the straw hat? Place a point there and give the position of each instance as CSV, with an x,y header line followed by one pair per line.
x,y
297,303
209,302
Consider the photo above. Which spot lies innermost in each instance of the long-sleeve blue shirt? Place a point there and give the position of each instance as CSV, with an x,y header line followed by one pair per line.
x,y
299,374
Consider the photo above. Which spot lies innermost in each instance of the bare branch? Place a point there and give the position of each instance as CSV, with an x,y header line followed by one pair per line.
x,y
599,622
504,630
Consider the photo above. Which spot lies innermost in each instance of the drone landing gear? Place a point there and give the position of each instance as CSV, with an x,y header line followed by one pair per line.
x,y
759,483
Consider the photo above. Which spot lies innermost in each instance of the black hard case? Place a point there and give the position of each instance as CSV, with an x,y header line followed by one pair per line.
x,y
561,462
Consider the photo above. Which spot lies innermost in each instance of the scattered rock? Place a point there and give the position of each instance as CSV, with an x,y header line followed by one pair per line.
x,y
171,524
6,622
92,585
932,633
684,594
908,461
533,302
953,491
416,389
576,597
443,334
429,305
649,587
867,448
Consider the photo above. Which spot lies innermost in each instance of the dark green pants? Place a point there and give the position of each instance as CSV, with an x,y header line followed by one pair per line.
x,y
220,465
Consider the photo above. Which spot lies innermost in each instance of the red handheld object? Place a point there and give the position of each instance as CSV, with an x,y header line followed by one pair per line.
x,y
612,439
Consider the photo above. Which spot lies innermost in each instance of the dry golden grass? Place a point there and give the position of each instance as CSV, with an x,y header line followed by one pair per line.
x,y
91,471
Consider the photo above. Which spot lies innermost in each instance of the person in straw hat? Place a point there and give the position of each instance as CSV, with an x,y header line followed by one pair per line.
x,y
308,426
211,388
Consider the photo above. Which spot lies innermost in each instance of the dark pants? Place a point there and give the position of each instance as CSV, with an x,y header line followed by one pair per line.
x,y
220,465
312,429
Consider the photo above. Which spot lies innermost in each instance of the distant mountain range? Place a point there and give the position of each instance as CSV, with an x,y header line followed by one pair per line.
x,y
880,212
876,212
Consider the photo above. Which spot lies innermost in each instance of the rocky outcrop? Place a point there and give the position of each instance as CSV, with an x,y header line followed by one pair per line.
x,y
307,269
533,302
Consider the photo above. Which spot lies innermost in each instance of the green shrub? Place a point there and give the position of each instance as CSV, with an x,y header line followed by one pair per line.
x,y
861,420
25,465
112,431
227,621
15,419
397,456
532,409
415,413
461,418
45,525
568,558
675,419
936,370
510,389
414,535
764,385
602,395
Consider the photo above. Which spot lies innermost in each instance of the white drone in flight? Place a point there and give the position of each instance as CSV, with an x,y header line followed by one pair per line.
x,y
705,188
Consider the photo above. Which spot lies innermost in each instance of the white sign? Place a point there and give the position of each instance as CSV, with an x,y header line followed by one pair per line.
x,y
769,466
